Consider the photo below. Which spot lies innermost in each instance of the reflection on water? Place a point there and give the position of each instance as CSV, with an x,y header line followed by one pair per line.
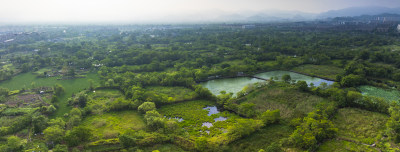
x,y
211,110
220,119
177,118
207,124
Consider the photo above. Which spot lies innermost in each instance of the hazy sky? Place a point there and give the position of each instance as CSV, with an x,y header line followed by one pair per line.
x,y
144,10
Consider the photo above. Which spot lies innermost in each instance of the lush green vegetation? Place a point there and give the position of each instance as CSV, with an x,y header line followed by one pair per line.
x,y
128,88
388,94
261,139
110,125
359,125
174,94
289,100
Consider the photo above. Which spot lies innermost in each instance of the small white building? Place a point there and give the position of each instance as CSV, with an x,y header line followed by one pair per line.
x,y
398,28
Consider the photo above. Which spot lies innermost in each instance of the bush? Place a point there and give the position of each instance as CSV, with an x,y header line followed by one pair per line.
x,y
14,144
393,124
53,134
122,104
270,117
352,80
58,89
203,93
247,109
314,129
274,147
286,78
77,136
147,106
243,127
302,85
60,148
153,120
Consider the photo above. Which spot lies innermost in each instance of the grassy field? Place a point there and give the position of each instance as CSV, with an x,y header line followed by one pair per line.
x,y
360,125
71,86
105,93
110,125
261,139
98,99
291,102
324,71
177,93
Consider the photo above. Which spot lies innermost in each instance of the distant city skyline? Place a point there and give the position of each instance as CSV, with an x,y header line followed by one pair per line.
x,y
152,10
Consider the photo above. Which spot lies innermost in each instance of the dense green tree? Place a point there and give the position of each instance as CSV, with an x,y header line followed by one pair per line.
x,y
201,144
313,130
78,135
393,124
56,122
39,123
14,144
147,106
247,109
302,85
53,134
154,120
82,100
352,80
270,117
286,78
51,109
58,89
60,148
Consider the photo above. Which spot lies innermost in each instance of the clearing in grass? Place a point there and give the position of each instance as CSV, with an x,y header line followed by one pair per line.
x,y
110,125
360,125
173,94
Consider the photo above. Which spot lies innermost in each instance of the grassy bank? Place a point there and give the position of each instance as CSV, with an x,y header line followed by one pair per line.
x,y
323,71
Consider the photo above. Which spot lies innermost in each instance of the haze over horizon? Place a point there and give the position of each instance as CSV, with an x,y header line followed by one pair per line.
x,y
117,11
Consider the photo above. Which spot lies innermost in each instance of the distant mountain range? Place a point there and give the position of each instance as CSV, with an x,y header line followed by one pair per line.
x,y
358,11
277,15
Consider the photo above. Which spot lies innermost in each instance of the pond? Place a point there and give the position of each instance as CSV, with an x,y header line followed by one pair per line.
x,y
211,110
176,118
387,94
207,124
235,85
294,76
220,119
